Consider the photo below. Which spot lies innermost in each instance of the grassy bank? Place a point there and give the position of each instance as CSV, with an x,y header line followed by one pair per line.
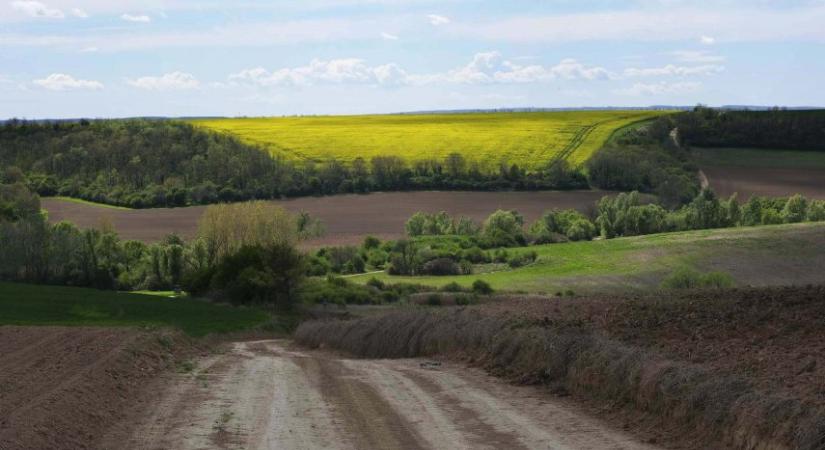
x,y
24,304
641,262
668,360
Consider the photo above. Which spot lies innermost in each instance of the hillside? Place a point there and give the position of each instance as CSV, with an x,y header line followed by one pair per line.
x,y
528,139
775,255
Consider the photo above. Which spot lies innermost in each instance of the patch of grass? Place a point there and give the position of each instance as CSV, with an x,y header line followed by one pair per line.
x,y
86,202
632,262
530,140
757,157
25,304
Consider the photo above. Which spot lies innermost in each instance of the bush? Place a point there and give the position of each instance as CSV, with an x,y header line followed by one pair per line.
x,y
795,210
256,274
452,287
686,278
482,287
376,283
522,259
581,230
441,266
771,217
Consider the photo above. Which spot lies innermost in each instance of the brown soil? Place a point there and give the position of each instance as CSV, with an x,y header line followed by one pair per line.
x,y
267,395
739,368
61,387
347,218
767,182
772,336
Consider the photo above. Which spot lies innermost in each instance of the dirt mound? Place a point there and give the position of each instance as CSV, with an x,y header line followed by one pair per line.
x,y
347,218
62,387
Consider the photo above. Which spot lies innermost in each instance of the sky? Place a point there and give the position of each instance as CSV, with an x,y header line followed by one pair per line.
x,y
124,58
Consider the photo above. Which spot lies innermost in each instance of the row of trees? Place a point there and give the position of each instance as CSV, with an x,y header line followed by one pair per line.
x,y
439,244
707,127
243,253
150,163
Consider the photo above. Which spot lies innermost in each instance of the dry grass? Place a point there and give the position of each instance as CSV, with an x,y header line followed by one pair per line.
x,y
699,405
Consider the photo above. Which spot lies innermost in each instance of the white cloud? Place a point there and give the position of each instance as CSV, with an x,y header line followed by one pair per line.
x,y
437,20
661,88
166,82
697,56
139,18
79,13
63,82
484,68
491,67
707,40
36,9
89,50
389,37
345,70
673,70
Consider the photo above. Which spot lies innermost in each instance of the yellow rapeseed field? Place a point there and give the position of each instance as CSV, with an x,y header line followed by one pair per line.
x,y
529,139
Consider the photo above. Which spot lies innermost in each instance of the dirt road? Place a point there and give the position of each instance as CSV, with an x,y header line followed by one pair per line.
x,y
270,395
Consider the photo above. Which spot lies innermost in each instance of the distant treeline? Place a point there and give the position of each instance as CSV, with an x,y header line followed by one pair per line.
x,y
779,129
152,163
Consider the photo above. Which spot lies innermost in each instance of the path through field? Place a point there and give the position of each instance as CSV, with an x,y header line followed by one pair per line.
x,y
269,395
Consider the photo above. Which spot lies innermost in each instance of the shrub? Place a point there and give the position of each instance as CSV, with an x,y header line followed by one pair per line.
x,y
371,242
522,259
771,217
816,211
441,266
482,287
716,280
256,274
475,255
795,210
452,287
376,283
581,230
687,278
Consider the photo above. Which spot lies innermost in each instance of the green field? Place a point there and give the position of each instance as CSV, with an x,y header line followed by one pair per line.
x,y
25,304
765,255
86,202
758,157
530,140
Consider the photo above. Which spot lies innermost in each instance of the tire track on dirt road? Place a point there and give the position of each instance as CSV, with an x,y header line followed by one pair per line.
x,y
271,395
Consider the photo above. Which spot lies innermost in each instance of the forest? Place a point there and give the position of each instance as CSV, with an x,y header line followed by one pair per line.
x,y
774,129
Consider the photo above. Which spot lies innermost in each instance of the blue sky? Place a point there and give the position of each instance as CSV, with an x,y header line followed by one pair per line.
x,y
95,58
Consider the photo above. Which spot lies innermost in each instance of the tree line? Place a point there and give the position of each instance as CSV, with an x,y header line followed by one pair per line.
x,y
776,128
165,163
439,244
